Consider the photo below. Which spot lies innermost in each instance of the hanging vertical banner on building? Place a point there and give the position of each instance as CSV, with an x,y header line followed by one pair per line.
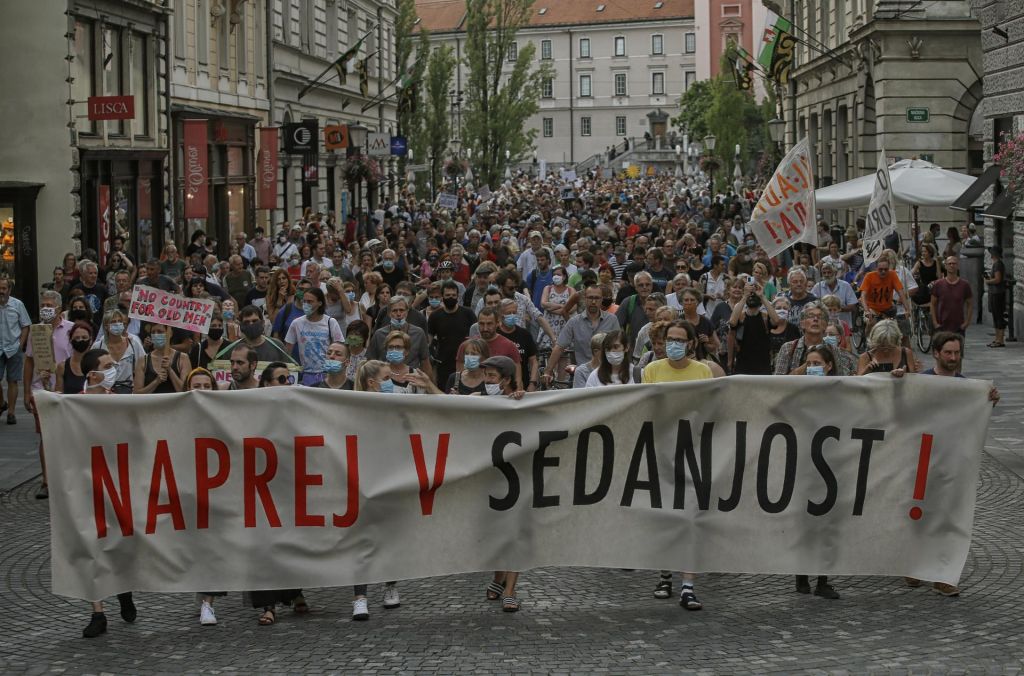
x,y
197,170
785,213
103,207
267,161
881,218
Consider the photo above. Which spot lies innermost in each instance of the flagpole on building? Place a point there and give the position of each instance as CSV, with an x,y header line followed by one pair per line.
x,y
315,82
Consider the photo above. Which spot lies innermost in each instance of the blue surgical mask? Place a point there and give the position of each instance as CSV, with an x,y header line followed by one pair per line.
x,y
115,328
831,341
388,265
386,386
229,315
472,361
493,388
395,356
307,309
397,322
351,295
510,320
332,366
815,370
159,339
434,302
675,349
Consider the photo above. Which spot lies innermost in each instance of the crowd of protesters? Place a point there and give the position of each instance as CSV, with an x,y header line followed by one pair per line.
x,y
631,281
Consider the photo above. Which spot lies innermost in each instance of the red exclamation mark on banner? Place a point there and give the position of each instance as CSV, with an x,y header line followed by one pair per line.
x,y
922,474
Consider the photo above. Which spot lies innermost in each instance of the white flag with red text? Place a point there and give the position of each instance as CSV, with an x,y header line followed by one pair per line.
x,y
785,213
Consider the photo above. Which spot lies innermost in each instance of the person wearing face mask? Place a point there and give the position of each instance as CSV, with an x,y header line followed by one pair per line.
x,y
500,380
832,285
417,356
583,371
126,349
448,327
101,373
752,318
163,370
680,339
60,339
284,248
311,334
357,335
335,368
614,367
389,269
813,321
207,349
837,338
780,335
558,300
470,379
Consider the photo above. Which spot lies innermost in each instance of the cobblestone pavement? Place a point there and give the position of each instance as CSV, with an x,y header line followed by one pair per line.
x,y
573,620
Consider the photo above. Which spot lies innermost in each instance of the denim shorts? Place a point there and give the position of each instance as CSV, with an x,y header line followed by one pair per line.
x,y
12,368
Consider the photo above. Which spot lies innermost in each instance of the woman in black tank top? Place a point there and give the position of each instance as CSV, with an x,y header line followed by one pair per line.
x,y
68,380
164,369
885,353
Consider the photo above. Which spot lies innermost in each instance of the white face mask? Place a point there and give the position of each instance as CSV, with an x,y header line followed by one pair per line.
x,y
557,279
46,314
493,388
615,358
109,377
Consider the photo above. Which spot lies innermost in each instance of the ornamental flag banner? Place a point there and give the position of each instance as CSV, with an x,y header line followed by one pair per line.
x,y
266,161
746,474
197,169
785,213
881,218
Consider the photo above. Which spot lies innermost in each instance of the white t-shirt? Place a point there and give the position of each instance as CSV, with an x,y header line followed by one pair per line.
x,y
313,339
594,381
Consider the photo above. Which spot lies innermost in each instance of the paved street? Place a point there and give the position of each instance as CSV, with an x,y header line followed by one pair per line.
x,y
573,620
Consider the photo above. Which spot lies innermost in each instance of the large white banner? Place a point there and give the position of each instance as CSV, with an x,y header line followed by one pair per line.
x,y
303,487
785,213
881,218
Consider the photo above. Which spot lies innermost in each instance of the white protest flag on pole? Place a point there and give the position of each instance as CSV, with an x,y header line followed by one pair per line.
x,y
881,218
785,213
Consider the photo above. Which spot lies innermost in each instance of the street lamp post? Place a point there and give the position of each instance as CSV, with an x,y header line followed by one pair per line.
x,y
776,130
508,169
709,146
357,140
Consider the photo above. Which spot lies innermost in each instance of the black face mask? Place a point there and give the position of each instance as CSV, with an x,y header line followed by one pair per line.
x,y
252,330
80,315
81,346
450,303
216,334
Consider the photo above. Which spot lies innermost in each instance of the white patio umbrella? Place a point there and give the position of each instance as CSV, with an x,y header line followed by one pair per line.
x,y
914,182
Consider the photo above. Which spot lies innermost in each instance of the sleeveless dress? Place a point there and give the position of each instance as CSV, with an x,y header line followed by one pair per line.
x,y
555,320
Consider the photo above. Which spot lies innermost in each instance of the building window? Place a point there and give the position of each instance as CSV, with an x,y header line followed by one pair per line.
x,y
140,82
547,88
549,126
545,49
584,48
620,125
241,51
730,10
657,44
620,46
584,126
82,69
513,52
690,43
620,84
658,84
585,86
730,39
203,36
691,77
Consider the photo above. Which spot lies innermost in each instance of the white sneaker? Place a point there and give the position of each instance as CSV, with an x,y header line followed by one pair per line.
x,y
391,596
360,610
206,615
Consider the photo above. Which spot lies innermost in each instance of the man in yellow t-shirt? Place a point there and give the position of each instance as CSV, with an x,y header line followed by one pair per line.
x,y
677,367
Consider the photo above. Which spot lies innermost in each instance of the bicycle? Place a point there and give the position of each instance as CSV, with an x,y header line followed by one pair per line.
x,y
562,377
923,327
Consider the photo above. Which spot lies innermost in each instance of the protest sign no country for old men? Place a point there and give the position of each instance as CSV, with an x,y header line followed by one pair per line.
x,y
161,307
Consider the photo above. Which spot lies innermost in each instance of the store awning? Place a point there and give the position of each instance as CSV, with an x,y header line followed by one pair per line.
x,y
977,189
1003,207
211,112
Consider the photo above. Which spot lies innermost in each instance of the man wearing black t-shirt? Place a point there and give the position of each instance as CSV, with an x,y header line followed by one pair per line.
x,y
94,292
448,327
523,341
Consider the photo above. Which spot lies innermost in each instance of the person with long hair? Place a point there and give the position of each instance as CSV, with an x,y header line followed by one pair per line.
x,y
615,368
279,292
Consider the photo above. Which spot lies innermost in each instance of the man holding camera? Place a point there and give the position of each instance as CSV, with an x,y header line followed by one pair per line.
x,y
751,320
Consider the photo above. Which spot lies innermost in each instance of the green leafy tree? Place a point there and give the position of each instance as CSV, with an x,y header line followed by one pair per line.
x,y
498,105
693,105
437,129
411,53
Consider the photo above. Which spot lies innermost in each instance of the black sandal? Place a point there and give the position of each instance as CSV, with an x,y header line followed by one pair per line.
x,y
510,604
688,600
663,590
494,591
